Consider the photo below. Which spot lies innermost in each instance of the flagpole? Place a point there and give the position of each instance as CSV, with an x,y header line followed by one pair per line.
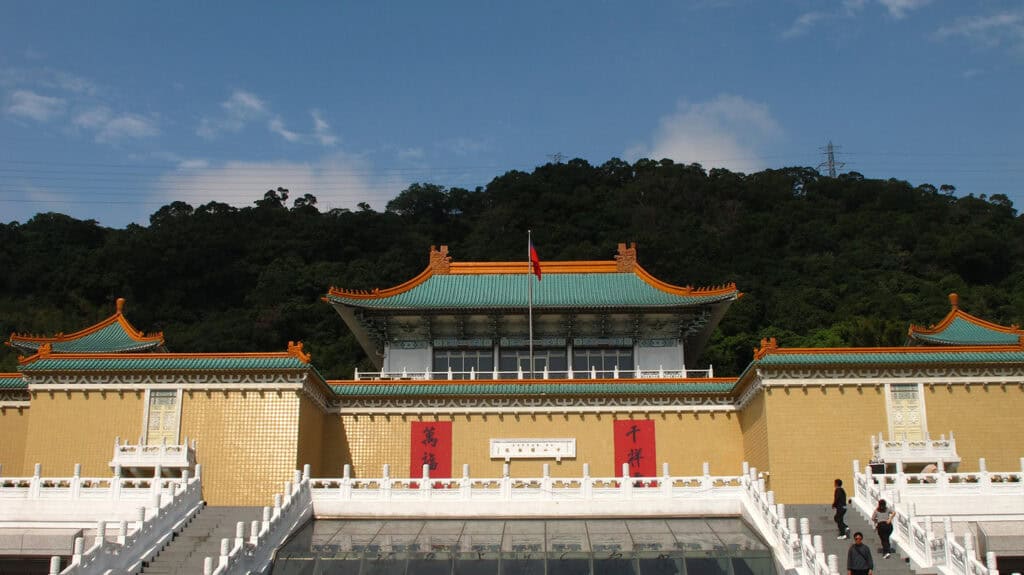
x,y
529,281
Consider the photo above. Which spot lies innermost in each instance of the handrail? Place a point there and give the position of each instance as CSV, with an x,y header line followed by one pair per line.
x,y
917,538
170,510
291,510
474,375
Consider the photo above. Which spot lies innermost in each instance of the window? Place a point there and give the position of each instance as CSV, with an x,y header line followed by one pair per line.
x,y
461,361
552,358
603,360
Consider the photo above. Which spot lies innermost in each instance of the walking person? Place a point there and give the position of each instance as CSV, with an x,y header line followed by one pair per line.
x,y
839,504
882,518
858,558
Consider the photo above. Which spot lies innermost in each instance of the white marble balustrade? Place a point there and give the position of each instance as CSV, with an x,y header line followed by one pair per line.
x,y
77,500
241,555
126,455
986,495
638,373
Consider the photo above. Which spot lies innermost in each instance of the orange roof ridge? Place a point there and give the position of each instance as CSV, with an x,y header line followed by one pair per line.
x,y
294,350
441,264
117,317
770,346
956,312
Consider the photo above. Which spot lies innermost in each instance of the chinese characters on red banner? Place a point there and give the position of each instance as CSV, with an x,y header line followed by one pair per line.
x,y
431,444
634,444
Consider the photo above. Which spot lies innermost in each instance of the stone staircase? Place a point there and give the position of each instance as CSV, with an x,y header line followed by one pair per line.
x,y
200,539
821,523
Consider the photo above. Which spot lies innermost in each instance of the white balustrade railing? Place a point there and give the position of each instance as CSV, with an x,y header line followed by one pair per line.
x,y
241,555
917,535
667,495
926,450
78,499
141,455
172,504
592,373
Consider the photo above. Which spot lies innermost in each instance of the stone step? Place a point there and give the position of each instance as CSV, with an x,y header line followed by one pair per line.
x,y
820,519
200,539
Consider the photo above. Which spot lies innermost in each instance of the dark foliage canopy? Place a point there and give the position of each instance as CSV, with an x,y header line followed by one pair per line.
x,y
822,261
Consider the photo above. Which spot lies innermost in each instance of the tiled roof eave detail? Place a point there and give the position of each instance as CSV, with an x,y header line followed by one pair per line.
x,y
532,389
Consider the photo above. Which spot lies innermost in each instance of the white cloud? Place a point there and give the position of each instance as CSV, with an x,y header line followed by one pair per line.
x,y
28,104
338,181
1004,28
239,109
127,126
728,131
276,125
322,130
900,8
112,128
803,23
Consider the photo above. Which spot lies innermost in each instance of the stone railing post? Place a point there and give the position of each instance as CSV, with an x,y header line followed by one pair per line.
x,y
208,566
268,514
141,514
122,532
35,485
225,550
425,486
833,564
587,484
346,482
76,482
545,482
55,565
239,534
254,533
466,485
506,482
101,533
277,506
626,486
705,481
666,481
943,480
77,550
385,487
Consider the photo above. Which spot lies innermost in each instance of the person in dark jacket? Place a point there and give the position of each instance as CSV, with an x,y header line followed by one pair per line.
x,y
839,504
858,558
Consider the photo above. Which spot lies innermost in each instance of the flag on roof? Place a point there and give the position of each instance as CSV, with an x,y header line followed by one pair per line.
x,y
534,261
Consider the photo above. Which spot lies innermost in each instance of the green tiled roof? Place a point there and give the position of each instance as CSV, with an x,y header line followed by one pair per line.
x,y
891,357
579,290
157,363
110,339
509,389
963,332
12,382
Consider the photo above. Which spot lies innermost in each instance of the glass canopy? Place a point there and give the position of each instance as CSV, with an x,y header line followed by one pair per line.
x,y
694,546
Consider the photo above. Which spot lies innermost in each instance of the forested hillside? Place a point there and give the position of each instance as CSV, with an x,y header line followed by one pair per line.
x,y
822,261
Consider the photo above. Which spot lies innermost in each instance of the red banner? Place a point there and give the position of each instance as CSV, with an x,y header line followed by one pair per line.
x,y
634,444
431,445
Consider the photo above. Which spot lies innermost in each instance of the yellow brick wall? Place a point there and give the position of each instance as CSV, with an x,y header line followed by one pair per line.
x,y
247,442
986,421
815,435
754,426
13,430
80,427
336,451
685,441
311,437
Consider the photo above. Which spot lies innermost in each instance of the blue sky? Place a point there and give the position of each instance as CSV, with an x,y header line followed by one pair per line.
x,y
110,110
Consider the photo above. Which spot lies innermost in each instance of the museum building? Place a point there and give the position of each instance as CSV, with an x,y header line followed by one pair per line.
x,y
511,367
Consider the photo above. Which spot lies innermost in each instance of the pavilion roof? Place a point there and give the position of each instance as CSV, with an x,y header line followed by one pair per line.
x,y
112,335
46,361
618,283
769,354
12,381
962,328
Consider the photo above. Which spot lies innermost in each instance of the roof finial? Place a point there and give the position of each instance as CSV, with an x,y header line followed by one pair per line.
x,y
954,300
120,305
440,261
